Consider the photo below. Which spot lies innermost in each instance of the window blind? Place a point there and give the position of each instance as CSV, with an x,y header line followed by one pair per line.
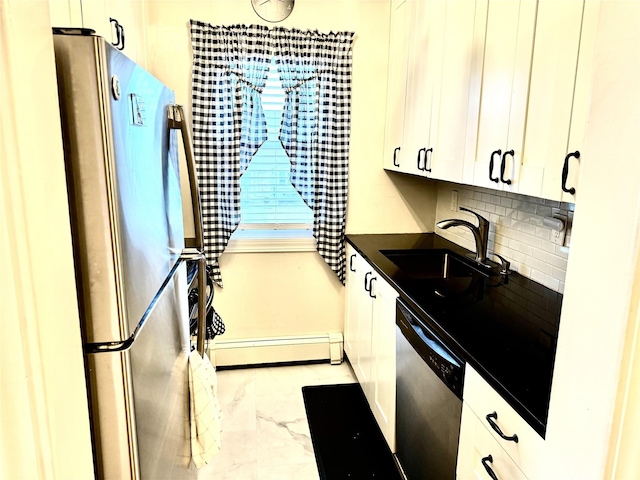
x,y
268,201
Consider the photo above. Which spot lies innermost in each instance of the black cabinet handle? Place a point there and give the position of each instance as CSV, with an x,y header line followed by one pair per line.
x,y
565,172
371,287
503,166
491,419
485,463
119,43
395,152
351,262
426,156
366,279
496,152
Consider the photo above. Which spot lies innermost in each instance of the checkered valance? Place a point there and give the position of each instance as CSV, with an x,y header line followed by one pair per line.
x,y
230,66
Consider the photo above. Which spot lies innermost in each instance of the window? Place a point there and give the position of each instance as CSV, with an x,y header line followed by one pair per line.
x,y
274,216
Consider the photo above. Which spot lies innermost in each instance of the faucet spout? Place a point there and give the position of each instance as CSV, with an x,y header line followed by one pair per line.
x,y
480,233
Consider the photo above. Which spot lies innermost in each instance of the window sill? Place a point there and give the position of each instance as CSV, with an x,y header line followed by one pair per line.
x,y
256,241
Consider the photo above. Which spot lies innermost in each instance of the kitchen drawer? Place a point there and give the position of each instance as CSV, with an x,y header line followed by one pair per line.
x,y
528,451
478,447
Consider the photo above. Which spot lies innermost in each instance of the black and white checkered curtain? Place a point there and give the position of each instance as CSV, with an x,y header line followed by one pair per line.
x,y
230,66
315,71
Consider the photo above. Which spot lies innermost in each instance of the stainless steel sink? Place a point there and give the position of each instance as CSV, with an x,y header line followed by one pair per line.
x,y
429,263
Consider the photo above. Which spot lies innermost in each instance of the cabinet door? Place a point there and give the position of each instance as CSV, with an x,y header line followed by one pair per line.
x,y
553,173
394,156
129,15
478,452
492,410
580,109
505,84
551,94
364,329
65,13
95,16
383,371
351,304
459,89
423,82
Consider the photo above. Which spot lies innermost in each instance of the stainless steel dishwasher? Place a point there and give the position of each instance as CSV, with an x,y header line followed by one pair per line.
x,y
429,399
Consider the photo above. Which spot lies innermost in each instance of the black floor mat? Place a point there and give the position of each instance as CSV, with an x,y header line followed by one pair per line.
x,y
347,441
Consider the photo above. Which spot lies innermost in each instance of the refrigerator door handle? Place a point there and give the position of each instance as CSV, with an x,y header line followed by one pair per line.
x,y
122,345
178,121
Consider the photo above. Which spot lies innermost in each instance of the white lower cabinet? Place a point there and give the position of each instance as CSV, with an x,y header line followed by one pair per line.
x,y
383,359
480,401
369,338
479,453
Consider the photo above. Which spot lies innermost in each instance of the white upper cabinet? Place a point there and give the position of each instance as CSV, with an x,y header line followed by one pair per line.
x,y
98,14
394,151
423,82
456,120
505,85
415,62
65,13
558,99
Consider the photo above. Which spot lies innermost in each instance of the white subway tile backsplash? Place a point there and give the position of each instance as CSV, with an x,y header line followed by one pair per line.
x,y
543,211
506,202
546,268
516,230
528,228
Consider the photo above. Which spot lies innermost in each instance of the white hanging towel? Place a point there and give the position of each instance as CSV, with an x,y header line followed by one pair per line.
x,y
205,412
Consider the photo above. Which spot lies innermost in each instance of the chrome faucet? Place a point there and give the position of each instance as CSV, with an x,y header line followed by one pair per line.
x,y
480,233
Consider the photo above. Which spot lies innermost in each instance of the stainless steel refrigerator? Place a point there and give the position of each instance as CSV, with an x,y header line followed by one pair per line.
x,y
127,225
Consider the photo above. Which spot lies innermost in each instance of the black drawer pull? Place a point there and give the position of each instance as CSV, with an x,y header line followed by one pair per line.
x,y
395,152
351,262
496,179
426,156
119,43
366,279
485,463
425,159
491,419
565,172
371,294
503,166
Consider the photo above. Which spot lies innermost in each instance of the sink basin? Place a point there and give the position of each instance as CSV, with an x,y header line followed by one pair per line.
x,y
428,263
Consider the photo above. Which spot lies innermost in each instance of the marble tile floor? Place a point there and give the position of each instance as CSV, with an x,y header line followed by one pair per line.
x,y
265,430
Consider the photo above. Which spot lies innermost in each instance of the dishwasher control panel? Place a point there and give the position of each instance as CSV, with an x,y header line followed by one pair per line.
x,y
436,354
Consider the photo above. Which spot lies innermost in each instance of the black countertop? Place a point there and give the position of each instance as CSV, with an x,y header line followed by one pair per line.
x,y
506,330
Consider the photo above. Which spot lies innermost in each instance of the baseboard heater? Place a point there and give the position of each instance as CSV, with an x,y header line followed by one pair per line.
x,y
252,351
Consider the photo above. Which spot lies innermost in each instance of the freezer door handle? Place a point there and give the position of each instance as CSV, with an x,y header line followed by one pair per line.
x,y
122,345
178,121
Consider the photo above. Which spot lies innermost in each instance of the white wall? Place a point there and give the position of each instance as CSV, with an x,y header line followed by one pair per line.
x,y
284,294
45,421
623,459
